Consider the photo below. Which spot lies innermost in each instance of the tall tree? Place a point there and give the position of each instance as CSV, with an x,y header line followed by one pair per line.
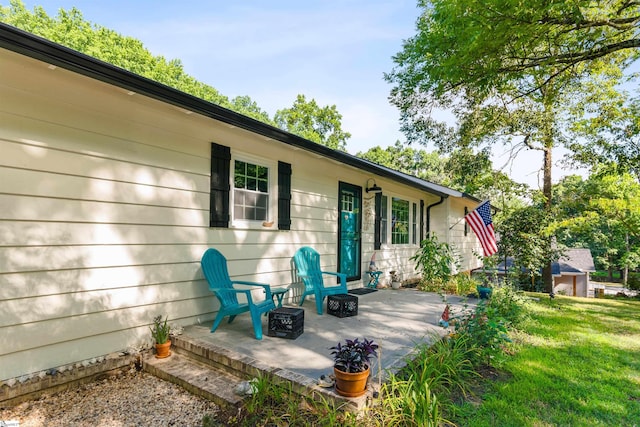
x,y
318,124
602,213
508,70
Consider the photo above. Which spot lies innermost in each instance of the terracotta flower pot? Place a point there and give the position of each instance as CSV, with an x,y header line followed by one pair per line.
x,y
351,384
163,350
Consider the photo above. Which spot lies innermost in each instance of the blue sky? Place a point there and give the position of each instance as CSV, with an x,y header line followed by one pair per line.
x,y
335,51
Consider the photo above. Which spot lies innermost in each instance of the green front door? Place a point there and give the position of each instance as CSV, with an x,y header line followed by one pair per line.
x,y
349,230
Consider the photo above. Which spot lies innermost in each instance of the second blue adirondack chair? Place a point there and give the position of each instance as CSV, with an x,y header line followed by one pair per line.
x,y
214,267
307,262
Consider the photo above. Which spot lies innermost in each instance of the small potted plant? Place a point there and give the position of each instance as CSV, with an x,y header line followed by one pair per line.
x,y
160,334
351,365
484,291
395,279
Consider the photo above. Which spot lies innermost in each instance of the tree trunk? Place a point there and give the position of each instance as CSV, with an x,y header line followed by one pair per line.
x,y
548,94
547,274
625,271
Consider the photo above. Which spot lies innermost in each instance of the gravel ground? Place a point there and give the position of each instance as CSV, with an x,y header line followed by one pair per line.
x,y
130,399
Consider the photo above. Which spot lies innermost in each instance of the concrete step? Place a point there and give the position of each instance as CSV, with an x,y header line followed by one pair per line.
x,y
214,372
198,378
234,363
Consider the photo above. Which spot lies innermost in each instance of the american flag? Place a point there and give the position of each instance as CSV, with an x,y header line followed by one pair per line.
x,y
481,224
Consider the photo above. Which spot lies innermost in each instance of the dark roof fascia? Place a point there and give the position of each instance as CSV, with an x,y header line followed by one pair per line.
x,y
22,42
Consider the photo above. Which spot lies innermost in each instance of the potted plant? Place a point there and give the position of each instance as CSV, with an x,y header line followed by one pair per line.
x,y
484,291
351,365
160,334
395,279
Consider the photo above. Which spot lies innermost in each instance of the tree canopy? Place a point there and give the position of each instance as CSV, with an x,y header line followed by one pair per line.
x,y
510,71
602,213
318,124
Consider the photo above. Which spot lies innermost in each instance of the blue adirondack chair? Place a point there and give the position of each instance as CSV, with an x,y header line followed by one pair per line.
x,y
214,266
307,262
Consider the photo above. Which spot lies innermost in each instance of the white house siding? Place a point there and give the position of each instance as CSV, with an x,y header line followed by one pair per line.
x,y
452,231
394,257
104,215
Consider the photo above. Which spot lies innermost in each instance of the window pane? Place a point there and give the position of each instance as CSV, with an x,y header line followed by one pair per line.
x,y
262,201
263,173
251,191
249,213
252,184
399,221
414,224
239,175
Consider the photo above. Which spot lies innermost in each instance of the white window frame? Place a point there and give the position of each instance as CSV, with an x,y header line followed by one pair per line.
x,y
272,205
388,243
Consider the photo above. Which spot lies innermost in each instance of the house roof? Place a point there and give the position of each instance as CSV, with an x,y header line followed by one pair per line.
x,y
30,45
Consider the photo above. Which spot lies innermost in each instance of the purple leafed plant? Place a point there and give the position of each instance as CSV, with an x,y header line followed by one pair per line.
x,y
354,355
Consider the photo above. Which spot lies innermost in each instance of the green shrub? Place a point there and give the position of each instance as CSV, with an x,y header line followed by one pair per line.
x,y
484,331
435,260
509,304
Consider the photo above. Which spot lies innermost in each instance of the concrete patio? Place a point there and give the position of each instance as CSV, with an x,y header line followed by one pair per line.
x,y
397,320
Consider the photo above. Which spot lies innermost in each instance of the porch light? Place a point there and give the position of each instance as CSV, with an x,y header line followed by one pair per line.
x,y
374,188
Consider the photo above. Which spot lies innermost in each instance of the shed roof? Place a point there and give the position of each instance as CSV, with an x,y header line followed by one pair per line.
x,y
578,258
36,47
575,261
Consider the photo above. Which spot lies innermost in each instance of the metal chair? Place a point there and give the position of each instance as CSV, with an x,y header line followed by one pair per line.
x,y
307,262
214,267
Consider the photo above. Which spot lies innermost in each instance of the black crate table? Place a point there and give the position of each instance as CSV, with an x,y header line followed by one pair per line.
x,y
286,322
342,305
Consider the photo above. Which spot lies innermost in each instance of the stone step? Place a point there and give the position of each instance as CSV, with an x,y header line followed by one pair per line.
x,y
234,363
198,378
214,372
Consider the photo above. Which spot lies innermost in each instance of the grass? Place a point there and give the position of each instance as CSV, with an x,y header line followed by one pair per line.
x,y
577,364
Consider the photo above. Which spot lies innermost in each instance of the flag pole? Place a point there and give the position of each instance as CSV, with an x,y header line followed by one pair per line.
x,y
487,200
456,223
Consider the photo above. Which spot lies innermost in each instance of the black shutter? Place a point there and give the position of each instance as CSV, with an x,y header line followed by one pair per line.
x,y
421,221
377,223
219,196
284,196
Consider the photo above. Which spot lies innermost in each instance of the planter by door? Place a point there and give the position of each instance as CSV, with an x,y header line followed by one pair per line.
x,y
351,384
163,350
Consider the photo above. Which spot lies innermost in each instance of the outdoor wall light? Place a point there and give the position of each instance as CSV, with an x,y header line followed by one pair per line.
x,y
374,188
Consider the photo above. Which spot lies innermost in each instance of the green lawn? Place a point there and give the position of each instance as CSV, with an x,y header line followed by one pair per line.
x,y
577,364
